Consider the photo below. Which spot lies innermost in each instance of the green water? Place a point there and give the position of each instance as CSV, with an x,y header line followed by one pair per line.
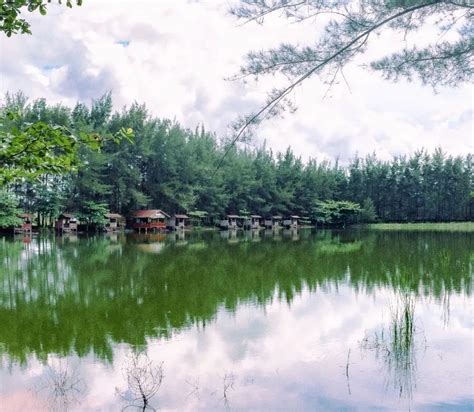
x,y
295,321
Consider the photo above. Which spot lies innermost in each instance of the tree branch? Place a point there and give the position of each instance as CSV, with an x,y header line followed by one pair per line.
x,y
274,101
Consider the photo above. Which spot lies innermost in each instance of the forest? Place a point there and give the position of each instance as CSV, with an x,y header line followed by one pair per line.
x,y
176,169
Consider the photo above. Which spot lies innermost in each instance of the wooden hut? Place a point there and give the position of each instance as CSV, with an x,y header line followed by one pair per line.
x,y
253,222
291,222
149,220
66,222
115,222
273,223
230,223
178,222
26,225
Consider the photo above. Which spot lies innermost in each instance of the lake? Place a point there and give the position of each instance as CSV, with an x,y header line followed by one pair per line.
x,y
295,320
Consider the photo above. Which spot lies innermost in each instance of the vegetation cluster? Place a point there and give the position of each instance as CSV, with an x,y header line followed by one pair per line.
x,y
176,169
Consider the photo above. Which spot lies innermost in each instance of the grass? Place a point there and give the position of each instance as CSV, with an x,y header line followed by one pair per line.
x,y
425,227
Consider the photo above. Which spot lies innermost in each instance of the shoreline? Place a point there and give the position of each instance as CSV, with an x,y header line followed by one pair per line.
x,y
423,227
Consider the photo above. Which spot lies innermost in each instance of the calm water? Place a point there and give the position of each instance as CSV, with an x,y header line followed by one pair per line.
x,y
300,321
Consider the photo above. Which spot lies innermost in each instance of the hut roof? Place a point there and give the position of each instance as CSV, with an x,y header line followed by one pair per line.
x,y
256,216
276,217
113,216
152,214
233,216
68,215
295,217
181,216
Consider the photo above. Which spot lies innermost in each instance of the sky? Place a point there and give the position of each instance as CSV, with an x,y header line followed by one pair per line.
x,y
177,57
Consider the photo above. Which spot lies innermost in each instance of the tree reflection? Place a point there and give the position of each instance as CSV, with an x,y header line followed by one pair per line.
x,y
143,381
62,386
52,290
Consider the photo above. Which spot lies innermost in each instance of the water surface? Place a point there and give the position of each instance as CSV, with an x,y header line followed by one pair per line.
x,y
296,320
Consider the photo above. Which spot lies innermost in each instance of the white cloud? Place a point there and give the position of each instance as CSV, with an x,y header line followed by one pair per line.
x,y
178,56
300,352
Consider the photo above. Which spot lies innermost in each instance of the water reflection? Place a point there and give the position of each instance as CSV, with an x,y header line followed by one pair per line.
x,y
143,379
279,317
399,344
292,234
61,385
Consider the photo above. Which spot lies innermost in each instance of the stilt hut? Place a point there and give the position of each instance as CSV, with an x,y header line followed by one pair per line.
x,y
230,223
291,222
149,220
115,222
273,223
178,222
253,222
26,225
66,223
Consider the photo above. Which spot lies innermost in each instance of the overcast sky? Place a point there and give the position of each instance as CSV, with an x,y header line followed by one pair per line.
x,y
175,56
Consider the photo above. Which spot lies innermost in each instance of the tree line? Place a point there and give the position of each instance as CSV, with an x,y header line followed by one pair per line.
x,y
177,169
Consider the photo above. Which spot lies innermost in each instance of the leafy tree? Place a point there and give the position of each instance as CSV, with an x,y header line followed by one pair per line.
x,y
368,213
470,207
335,212
92,214
10,11
175,169
197,217
349,28
30,149
9,210
48,198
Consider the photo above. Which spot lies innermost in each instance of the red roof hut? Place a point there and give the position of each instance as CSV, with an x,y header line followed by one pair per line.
x,y
149,220
26,225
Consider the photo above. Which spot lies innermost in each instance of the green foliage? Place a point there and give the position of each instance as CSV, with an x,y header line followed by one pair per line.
x,y
31,146
198,217
48,197
35,148
368,214
116,285
175,169
93,214
9,210
333,212
10,11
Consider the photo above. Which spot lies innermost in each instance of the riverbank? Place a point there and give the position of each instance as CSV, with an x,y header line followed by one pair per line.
x,y
425,227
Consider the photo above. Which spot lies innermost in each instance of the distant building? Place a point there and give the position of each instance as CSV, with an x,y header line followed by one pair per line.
x,y
115,222
291,222
273,223
230,223
149,220
253,222
66,222
178,222
26,225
